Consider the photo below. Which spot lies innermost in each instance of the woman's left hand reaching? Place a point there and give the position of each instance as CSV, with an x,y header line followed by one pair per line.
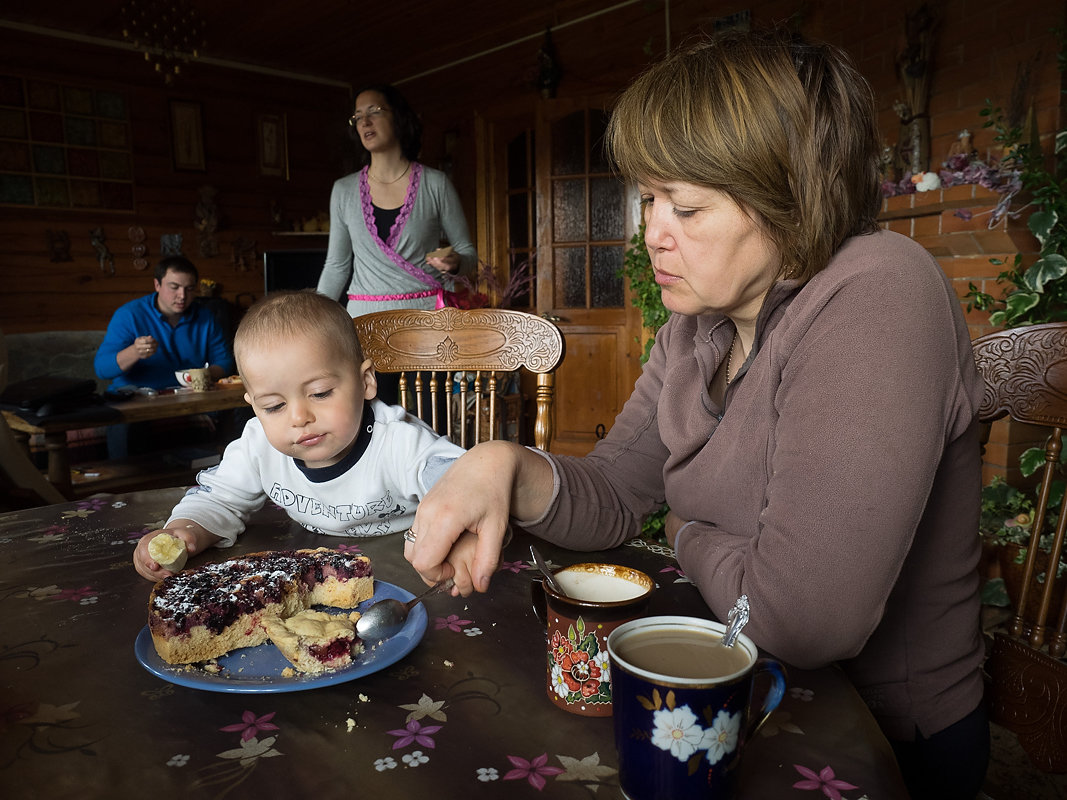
x,y
449,263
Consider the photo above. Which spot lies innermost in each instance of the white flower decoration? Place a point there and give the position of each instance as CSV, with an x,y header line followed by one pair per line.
x,y
178,760
559,686
382,764
723,735
415,757
486,774
603,661
678,732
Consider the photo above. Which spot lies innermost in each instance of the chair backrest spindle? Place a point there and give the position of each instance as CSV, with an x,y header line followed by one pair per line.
x,y
1025,374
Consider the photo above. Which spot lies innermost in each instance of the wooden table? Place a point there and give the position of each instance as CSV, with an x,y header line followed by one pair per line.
x,y
181,403
463,714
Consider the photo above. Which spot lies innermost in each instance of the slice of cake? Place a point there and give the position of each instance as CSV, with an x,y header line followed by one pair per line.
x,y
206,612
315,641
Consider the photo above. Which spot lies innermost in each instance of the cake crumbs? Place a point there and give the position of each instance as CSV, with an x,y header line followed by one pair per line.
x,y
350,724
288,672
212,666
448,663
363,698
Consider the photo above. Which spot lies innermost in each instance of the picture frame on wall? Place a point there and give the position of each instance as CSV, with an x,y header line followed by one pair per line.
x,y
187,135
273,146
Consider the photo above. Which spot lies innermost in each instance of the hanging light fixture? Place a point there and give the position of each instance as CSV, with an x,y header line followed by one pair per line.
x,y
168,32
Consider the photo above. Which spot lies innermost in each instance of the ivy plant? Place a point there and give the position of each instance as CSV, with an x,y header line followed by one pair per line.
x,y
637,269
1037,293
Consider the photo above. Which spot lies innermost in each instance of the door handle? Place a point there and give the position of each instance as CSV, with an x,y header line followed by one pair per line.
x,y
552,317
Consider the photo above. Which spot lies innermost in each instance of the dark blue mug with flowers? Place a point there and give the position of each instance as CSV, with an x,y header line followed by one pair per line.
x,y
682,706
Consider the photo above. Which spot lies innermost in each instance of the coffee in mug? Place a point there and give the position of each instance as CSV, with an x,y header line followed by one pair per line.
x,y
599,598
682,706
683,653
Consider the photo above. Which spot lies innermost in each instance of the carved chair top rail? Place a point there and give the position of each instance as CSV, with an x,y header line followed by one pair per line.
x,y
458,339
1025,372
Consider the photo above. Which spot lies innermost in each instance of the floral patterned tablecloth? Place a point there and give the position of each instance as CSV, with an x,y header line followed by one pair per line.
x,y
465,714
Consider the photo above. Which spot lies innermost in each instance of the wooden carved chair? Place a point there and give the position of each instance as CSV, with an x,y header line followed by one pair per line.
x,y
460,358
1025,372
19,478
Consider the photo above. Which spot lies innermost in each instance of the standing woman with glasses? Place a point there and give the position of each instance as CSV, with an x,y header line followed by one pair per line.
x,y
389,216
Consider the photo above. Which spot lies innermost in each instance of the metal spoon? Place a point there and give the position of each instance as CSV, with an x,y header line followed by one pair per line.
x,y
735,621
386,617
550,579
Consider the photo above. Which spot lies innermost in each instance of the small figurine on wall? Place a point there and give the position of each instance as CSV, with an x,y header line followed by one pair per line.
x,y
170,244
58,246
244,254
962,150
207,222
103,255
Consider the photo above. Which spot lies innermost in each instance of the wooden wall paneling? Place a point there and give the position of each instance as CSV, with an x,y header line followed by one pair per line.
x,y
41,295
599,54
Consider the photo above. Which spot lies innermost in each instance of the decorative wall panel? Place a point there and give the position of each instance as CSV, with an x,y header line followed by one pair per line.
x,y
64,146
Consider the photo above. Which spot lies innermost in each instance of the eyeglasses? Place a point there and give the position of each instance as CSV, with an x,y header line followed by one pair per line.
x,y
373,111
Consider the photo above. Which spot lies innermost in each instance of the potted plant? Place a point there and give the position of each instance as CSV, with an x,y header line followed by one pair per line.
x,y
1007,517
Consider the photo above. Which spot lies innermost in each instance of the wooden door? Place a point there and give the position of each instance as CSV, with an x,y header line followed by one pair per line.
x,y
582,234
547,197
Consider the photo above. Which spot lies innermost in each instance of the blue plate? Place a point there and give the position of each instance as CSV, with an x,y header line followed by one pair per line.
x,y
259,669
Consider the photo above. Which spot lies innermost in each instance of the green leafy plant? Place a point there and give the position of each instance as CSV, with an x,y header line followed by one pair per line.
x,y
1007,512
637,269
1036,293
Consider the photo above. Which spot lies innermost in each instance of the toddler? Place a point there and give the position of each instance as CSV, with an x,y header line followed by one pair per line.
x,y
320,446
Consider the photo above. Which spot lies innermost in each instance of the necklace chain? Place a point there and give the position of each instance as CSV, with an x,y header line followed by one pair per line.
x,y
730,357
394,180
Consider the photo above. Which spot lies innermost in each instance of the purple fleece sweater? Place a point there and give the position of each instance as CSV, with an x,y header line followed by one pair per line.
x,y
838,489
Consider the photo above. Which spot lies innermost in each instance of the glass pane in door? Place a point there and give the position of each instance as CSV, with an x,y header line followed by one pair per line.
x,y
606,208
568,210
570,277
606,276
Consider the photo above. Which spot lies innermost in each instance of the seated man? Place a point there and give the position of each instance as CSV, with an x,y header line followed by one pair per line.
x,y
152,337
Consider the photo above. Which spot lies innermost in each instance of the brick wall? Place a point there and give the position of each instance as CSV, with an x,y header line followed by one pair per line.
x,y
966,246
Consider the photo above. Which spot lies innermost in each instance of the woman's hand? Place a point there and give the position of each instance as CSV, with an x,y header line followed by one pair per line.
x,y
449,263
461,522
